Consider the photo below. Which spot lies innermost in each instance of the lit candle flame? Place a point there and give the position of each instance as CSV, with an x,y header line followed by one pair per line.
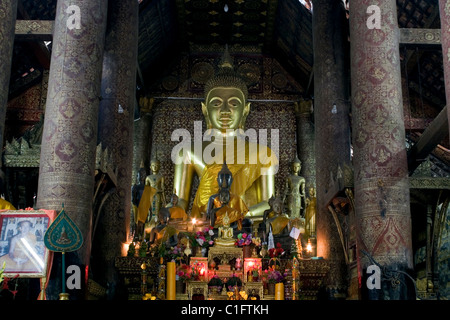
x,y
309,246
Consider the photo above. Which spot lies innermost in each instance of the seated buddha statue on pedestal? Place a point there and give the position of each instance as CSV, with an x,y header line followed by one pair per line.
x,y
163,233
225,232
225,202
275,219
176,212
252,164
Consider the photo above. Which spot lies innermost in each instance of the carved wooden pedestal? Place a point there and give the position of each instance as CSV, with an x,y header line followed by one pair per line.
x,y
312,273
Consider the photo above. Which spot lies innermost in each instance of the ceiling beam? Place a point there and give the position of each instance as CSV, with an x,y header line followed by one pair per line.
x,y
38,30
35,33
420,37
431,137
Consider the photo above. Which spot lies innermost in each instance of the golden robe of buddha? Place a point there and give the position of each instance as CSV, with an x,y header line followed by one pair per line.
x,y
141,198
176,212
222,212
252,165
310,213
230,209
275,219
163,233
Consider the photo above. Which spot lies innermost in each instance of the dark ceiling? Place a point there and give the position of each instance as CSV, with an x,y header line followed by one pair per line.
x,y
281,29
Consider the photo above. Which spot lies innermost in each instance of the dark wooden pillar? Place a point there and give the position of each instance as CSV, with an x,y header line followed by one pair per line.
x,y
115,132
332,131
8,14
305,142
382,203
444,11
69,140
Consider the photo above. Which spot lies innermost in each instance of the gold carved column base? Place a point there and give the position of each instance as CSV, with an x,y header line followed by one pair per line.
x,y
197,288
252,288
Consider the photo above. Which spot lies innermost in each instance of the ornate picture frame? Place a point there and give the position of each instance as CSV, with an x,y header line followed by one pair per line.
x,y
22,247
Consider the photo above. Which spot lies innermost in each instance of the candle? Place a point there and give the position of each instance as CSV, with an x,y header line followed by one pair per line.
x,y
279,291
171,277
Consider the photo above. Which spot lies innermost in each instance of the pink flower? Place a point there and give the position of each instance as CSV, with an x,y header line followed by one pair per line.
x,y
244,235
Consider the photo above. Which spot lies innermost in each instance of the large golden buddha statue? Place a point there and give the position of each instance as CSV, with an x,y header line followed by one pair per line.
x,y
252,165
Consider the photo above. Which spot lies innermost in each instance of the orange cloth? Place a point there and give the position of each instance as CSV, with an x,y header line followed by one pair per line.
x,y
141,213
177,213
278,223
236,209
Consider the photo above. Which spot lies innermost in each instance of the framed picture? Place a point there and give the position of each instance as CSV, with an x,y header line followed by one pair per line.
x,y
22,248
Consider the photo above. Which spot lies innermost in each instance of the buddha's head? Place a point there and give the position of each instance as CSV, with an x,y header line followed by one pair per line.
x,y
155,165
225,177
224,196
277,205
163,215
174,199
225,106
296,165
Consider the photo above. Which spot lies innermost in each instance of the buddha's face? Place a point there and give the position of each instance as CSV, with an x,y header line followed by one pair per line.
x,y
154,166
163,215
277,206
296,167
224,196
225,108
224,180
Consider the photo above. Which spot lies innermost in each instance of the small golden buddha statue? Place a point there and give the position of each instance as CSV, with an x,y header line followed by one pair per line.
x,y
163,233
310,213
275,219
176,212
252,165
225,232
295,190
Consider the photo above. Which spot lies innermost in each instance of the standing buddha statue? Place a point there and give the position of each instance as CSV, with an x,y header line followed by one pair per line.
x,y
295,191
310,213
156,181
141,196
